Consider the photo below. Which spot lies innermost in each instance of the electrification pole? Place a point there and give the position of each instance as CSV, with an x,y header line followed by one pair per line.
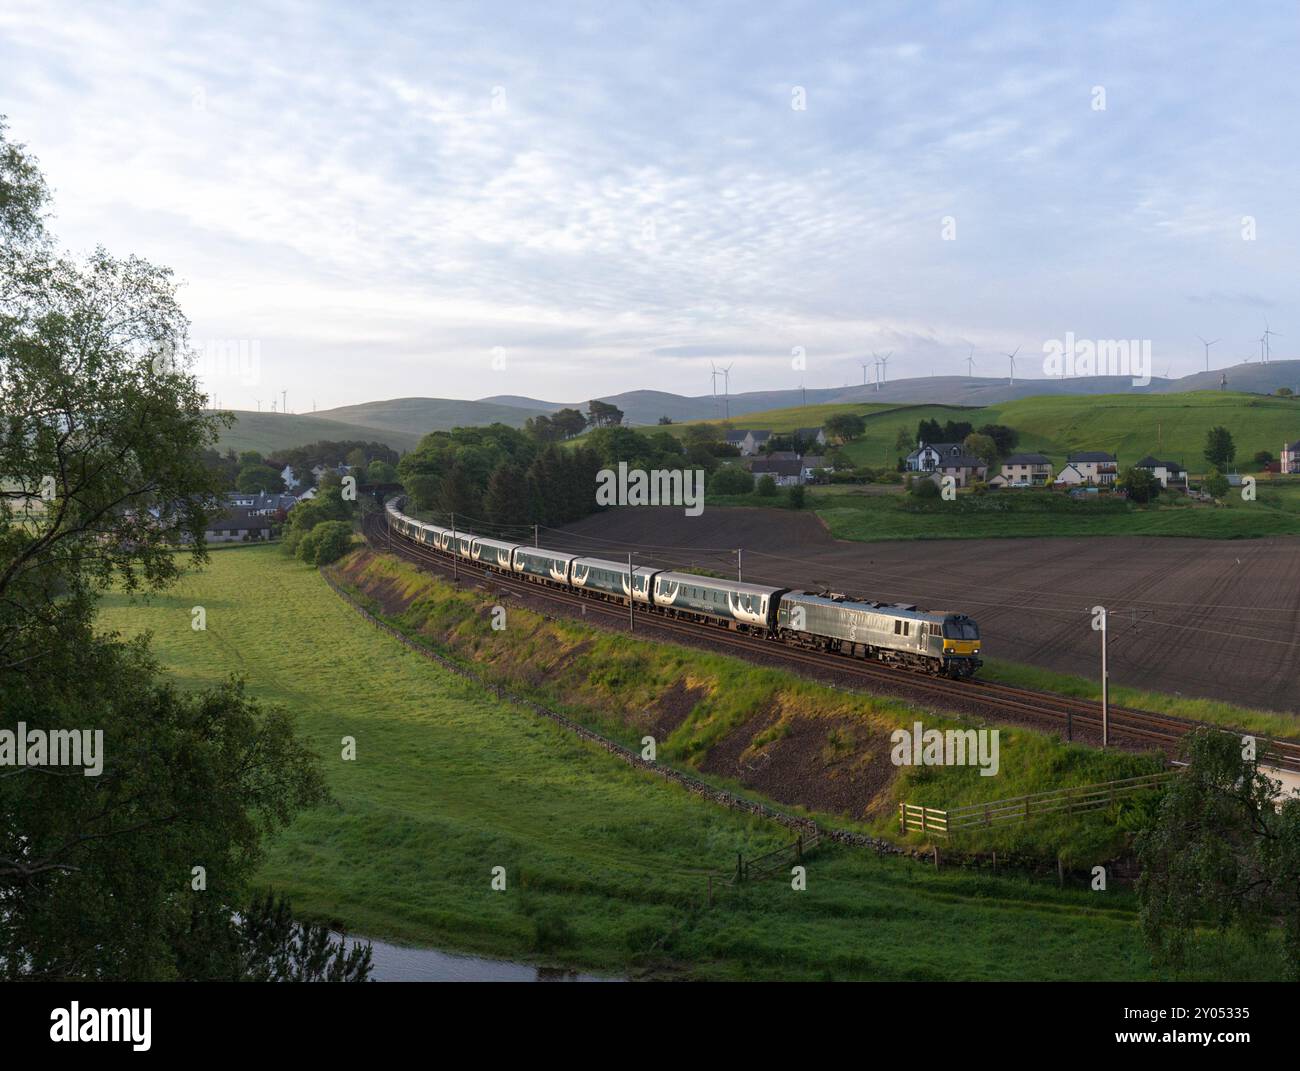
x,y
631,595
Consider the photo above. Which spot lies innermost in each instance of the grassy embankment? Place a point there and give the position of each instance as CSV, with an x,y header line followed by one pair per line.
x,y
604,862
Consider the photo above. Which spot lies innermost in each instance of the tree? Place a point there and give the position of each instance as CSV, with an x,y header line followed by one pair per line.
x,y
1223,849
845,427
1140,485
1284,392
954,431
380,472
766,487
274,947
1263,458
1216,484
103,439
981,446
903,440
328,541
665,419
603,414
731,480
254,478
929,431
506,501
1219,447
796,496
1005,437
569,422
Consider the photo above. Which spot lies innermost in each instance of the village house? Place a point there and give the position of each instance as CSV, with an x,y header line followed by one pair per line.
x,y
1169,473
1023,470
261,504
1290,457
963,469
1095,467
238,526
811,463
785,472
926,456
810,437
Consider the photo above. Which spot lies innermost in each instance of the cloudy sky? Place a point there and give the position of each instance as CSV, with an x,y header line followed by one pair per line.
x,y
564,200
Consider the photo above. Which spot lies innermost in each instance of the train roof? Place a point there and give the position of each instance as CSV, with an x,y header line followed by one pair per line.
x,y
899,609
490,542
606,563
561,555
719,582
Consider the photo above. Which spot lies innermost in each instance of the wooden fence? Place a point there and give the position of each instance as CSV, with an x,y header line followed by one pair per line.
x,y
914,817
763,866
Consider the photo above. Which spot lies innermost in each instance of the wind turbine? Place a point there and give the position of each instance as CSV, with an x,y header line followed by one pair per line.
x,y
1208,343
726,392
883,374
864,373
970,364
1268,348
1012,358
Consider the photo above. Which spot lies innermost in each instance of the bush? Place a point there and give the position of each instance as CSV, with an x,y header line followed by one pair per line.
x,y
731,480
925,489
333,540
766,487
797,496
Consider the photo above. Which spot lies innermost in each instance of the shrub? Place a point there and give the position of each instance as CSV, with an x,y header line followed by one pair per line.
x,y
925,489
333,540
731,480
797,496
766,487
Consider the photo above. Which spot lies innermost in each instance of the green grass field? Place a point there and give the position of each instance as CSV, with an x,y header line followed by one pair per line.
x,y
1171,426
603,862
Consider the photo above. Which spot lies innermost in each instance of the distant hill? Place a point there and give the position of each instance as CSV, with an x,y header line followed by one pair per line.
x,y
401,422
419,416
643,407
268,432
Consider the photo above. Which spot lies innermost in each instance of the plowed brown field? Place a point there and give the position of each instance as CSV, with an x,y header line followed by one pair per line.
x,y
1187,616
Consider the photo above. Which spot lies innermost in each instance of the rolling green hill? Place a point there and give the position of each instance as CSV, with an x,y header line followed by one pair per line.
x,y
268,432
1172,426
419,416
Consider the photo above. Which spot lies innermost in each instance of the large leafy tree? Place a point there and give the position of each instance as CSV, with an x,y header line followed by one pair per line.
x,y
103,435
1223,850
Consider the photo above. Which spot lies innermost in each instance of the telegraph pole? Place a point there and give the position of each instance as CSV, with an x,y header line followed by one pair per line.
x,y
1105,684
534,536
455,551
740,565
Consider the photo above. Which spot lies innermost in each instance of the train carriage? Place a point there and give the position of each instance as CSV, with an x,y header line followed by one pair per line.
x,y
611,578
748,607
536,563
494,552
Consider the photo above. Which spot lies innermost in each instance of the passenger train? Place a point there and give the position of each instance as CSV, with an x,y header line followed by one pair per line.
x,y
937,641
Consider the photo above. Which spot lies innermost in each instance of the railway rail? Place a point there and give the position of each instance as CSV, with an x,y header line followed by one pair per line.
x,y
1139,728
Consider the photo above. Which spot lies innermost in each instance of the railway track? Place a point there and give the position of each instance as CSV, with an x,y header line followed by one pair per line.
x,y
1136,728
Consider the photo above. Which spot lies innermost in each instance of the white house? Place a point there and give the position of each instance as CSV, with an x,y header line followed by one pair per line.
x,y
1095,466
926,456
1291,457
1167,472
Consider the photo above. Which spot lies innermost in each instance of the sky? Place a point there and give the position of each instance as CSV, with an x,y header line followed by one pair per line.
x,y
569,200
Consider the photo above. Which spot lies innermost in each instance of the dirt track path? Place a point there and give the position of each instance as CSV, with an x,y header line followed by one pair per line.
x,y
1194,617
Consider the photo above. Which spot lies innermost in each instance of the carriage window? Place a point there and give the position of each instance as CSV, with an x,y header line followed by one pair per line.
x,y
898,628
